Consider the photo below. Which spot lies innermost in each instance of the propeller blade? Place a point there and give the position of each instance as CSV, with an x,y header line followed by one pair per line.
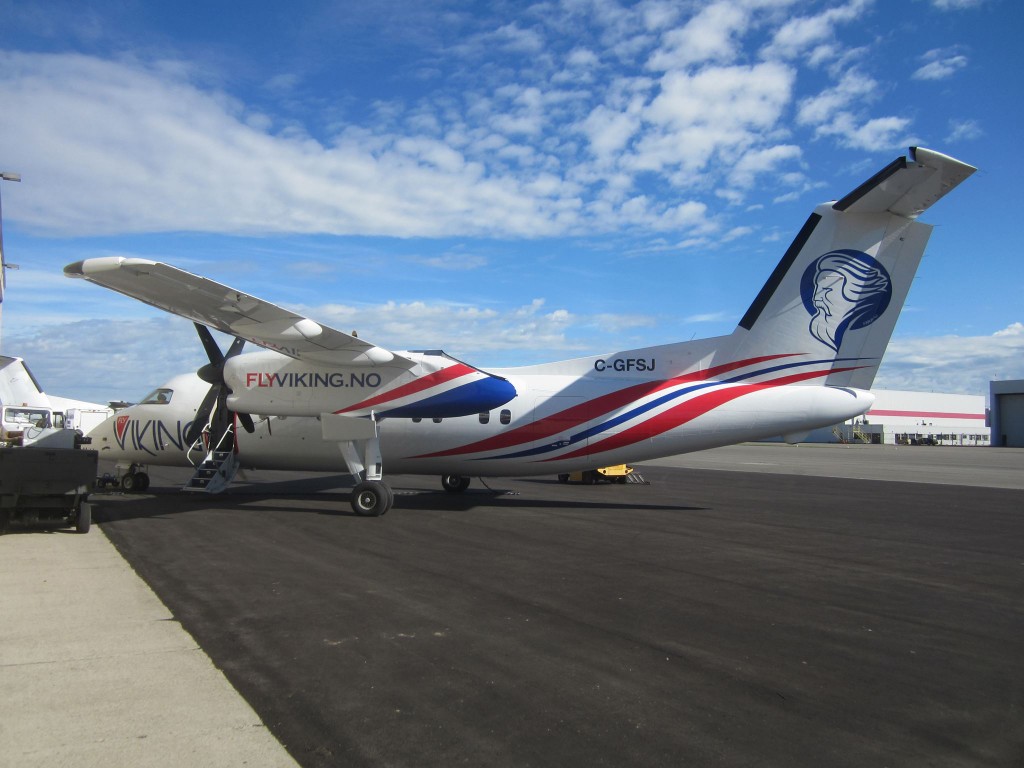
x,y
202,416
235,348
210,345
246,421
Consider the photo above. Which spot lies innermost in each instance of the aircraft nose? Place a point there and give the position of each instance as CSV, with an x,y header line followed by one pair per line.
x,y
103,436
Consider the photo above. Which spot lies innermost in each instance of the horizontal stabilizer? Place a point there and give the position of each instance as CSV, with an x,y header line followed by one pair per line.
x,y
907,187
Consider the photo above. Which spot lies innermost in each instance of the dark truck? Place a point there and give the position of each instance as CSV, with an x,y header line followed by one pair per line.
x,y
46,486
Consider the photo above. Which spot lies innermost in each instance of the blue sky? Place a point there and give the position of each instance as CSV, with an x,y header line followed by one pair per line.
x,y
511,182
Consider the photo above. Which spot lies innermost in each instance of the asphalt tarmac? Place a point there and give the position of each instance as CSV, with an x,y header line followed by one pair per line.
x,y
708,618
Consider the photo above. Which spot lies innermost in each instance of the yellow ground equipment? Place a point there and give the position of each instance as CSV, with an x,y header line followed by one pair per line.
x,y
615,474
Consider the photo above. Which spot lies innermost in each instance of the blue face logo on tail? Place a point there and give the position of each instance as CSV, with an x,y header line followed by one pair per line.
x,y
844,290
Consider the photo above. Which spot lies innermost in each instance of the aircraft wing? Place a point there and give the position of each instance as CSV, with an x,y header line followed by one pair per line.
x,y
230,311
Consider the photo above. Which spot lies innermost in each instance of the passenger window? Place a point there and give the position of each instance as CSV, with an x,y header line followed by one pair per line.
x,y
437,419
506,416
485,417
416,419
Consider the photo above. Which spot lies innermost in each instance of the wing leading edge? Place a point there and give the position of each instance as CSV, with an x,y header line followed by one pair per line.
x,y
231,311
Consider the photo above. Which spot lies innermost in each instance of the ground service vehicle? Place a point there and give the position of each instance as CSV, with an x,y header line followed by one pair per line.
x,y
46,486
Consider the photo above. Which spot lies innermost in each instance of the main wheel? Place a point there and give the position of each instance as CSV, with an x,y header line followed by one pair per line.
x,y
84,519
371,498
129,483
454,483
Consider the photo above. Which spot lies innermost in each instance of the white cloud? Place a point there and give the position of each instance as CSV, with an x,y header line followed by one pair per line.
x,y
810,33
879,133
735,233
838,112
956,364
111,359
760,161
582,58
729,97
522,144
699,117
515,38
609,131
123,147
711,35
963,130
708,317
956,5
853,87
939,65
125,359
456,262
1013,329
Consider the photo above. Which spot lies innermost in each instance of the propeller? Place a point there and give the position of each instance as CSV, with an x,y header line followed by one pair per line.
x,y
213,374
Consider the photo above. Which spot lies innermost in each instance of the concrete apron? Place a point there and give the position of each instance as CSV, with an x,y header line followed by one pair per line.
x,y
95,671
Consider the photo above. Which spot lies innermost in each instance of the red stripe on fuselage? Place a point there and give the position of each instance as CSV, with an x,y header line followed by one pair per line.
x,y
572,417
417,385
688,411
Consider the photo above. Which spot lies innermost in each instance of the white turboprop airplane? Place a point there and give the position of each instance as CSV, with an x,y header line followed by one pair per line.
x,y
314,398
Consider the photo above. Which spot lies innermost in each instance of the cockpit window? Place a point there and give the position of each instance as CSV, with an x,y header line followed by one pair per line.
x,y
27,417
159,396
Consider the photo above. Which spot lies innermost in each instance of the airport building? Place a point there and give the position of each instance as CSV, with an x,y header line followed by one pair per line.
x,y
1007,399
900,417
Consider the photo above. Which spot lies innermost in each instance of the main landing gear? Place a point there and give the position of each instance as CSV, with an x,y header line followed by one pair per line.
x,y
372,498
359,442
454,483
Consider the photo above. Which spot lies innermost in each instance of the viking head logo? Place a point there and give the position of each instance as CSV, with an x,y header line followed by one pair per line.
x,y
844,290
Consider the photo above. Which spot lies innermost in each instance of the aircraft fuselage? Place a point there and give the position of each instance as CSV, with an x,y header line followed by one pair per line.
x,y
578,414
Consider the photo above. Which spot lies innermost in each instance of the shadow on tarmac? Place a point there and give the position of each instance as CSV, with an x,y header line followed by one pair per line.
x,y
330,495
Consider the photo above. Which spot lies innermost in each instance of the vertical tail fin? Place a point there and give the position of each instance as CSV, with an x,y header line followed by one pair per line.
x,y
835,296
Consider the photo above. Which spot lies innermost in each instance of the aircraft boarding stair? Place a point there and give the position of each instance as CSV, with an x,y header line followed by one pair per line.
x,y
215,472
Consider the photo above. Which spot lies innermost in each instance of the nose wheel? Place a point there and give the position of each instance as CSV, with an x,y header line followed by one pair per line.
x,y
372,498
134,481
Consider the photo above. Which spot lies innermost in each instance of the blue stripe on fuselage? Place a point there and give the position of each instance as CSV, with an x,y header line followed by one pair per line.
x,y
475,397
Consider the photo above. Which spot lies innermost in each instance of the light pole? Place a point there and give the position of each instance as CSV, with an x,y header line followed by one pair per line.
x,y
4,176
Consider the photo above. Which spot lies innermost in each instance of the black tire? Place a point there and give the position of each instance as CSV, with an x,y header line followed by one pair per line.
x,y
564,477
454,483
143,481
371,498
130,483
83,521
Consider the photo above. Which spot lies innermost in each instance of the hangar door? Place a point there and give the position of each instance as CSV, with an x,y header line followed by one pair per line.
x,y
1011,421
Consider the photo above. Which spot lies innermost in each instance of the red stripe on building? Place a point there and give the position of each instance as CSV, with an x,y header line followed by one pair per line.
x,y
928,414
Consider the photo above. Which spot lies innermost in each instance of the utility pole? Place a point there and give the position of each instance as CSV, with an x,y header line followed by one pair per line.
x,y
4,176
